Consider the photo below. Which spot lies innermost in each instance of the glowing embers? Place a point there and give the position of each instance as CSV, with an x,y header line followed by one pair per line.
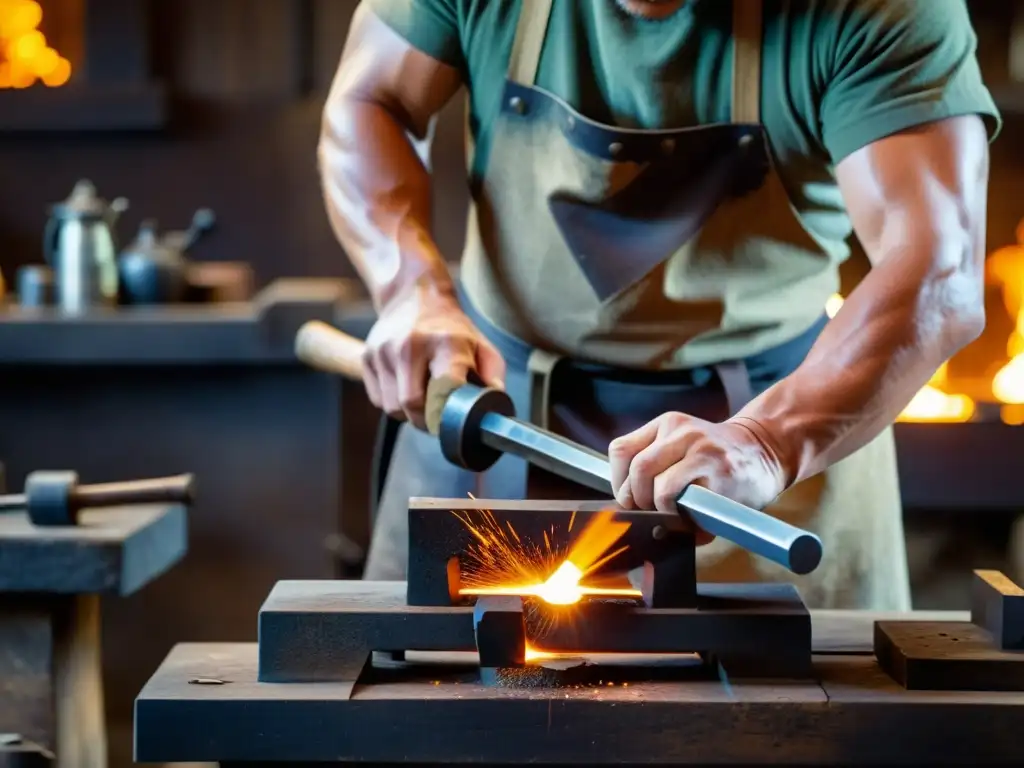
x,y
498,562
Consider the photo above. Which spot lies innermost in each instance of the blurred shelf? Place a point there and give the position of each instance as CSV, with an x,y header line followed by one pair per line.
x,y
84,108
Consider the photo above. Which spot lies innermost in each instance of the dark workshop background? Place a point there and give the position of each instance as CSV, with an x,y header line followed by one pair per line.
x,y
179,104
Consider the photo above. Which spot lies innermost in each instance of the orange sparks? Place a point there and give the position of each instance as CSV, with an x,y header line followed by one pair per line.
x,y
500,563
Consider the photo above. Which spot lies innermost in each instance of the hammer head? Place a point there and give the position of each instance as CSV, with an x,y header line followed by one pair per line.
x,y
459,428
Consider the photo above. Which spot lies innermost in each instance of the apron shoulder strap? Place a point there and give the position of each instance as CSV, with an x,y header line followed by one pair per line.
x,y
746,63
526,46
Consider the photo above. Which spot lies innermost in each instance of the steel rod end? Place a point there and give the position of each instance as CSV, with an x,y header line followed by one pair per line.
x,y
459,431
805,554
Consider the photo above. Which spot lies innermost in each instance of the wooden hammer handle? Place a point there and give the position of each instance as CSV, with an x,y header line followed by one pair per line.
x,y
320,346
179,489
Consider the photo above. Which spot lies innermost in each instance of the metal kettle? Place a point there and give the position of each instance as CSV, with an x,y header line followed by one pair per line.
x,y
153,269
79,244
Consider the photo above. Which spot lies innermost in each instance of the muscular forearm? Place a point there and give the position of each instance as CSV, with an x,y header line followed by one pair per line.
x,y
377,194
375,184
913,311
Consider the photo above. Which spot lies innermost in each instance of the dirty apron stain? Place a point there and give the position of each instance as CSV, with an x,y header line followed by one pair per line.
x,y
621,209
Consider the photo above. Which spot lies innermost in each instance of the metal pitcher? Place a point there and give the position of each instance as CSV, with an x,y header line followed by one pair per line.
x,y
79,243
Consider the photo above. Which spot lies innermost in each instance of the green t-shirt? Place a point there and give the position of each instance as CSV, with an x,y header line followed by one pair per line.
x,y
837,74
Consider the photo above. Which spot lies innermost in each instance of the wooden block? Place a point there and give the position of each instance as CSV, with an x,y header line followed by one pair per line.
x,y
113,551
545,528
946,656
220,281
325,630
997,605
50,686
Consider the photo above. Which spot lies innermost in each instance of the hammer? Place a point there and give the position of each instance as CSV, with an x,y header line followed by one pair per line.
x,y
476,425
54,499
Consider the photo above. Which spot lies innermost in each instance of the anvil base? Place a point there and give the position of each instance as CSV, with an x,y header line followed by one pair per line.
x,y
325,631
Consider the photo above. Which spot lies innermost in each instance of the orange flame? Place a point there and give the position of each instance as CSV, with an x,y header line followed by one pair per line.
x,y
25,56
1005,267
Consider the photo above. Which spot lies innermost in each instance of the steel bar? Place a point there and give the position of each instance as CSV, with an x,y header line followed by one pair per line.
x,y
791,547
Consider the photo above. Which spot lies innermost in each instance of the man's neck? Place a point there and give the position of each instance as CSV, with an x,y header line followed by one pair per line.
x,y
651,9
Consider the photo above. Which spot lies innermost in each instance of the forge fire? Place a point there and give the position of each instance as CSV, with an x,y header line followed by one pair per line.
x,y
499,562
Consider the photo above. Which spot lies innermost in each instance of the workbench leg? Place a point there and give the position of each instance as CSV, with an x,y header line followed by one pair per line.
x,y
51,691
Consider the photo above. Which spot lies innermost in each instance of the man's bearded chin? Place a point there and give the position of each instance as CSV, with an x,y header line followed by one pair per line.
x,y
650,9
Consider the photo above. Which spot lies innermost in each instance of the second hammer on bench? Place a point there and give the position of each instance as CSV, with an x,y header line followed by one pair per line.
x,y
56,498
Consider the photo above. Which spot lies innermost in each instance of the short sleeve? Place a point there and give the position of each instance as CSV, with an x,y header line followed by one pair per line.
x,y
430,26
896,64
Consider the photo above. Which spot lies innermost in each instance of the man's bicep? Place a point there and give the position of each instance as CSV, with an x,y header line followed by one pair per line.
x,y
926,183
890,65
382,66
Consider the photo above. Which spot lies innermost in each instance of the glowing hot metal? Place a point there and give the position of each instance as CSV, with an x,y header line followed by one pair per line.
x,y
500,558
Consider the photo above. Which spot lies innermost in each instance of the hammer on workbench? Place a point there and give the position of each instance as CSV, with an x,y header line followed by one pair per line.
x,y
54,499
476,425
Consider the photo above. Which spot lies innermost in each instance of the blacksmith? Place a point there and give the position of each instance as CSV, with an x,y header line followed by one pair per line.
x,y
662,194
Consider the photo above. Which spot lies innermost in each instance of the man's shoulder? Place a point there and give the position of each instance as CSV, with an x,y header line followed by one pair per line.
x,y
837,26
851,13
448,29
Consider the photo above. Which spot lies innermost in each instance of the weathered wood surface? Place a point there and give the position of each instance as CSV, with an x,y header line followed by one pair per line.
x,y
113,551
946,656
324,630
853,715
50,688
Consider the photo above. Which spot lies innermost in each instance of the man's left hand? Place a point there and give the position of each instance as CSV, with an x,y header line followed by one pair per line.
x,y
652,466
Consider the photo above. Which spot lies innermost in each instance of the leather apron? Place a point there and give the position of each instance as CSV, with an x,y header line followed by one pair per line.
x,y
617,204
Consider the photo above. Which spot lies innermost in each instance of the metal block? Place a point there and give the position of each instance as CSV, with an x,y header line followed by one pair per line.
x,y
439,543
499,628
321,631
997,605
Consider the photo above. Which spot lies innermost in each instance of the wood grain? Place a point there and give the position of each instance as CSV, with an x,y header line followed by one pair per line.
x,y
330,28
81,735
239,50
27,645
50,688
946,656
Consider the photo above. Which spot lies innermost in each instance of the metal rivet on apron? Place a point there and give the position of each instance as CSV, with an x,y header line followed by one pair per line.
x,y
517,104
615,148
668,145
746,139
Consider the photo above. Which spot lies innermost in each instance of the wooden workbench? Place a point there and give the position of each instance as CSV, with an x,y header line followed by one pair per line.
x,y
51,582
853,715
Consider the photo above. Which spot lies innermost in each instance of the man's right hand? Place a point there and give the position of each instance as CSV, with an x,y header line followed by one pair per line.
x,y
422,334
